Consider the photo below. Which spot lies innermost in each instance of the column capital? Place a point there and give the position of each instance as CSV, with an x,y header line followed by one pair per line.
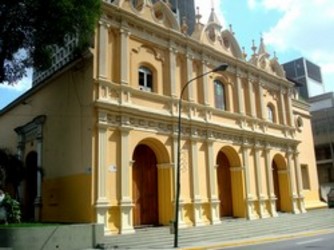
x,y
165,165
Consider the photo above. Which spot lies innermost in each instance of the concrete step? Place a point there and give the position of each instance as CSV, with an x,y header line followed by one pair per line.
x,y
228,230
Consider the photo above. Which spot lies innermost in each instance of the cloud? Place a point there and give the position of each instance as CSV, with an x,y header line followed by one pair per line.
x,y
23,85
306,27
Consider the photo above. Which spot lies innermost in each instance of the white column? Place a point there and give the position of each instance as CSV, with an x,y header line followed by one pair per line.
x,y
249,196
182,224
205,83
102,50
259,189
298,173
270,184
261,98
252,98
172,70
212,179
126,206
102,203
124,56
291,171
189,77
282,105
289,108
196,199
20,147
240,94
38,199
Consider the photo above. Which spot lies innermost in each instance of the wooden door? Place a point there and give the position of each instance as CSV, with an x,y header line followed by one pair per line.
x,y
145,187
224,185
276,186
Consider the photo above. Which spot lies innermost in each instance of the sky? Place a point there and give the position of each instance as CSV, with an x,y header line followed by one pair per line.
x,y
290,28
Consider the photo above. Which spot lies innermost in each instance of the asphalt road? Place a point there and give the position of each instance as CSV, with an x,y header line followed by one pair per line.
x,y
321,241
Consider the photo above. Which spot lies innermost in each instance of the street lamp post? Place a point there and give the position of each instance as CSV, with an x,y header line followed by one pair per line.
x,y
221,67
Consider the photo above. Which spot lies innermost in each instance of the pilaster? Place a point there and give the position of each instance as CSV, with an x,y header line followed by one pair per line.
x,y
205,84
124,56
282,106
292,178
249,197
38,199
270,184
126,206
172,70
260,196
102,51
301,203
252,97
197,204
261,98
189,59
240,94
289,108
212,180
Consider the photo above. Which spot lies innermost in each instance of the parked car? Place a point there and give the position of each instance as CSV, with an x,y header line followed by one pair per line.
x,y
330,198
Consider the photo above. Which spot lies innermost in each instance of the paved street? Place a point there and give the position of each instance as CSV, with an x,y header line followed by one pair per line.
x,y
320,241
230,232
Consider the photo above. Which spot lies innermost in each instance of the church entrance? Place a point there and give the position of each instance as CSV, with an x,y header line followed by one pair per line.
x,y
145,187
224,185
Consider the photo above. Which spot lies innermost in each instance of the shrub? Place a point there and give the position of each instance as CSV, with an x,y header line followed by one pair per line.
x,y
12,209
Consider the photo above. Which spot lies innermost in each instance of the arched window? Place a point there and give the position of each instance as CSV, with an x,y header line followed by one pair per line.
x,y
270,113
220,96
145,79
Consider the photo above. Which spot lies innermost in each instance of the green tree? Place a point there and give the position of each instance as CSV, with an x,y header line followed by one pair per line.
x,y
11,171
30,28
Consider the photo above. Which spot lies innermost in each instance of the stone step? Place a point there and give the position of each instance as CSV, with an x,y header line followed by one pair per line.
x,y
228,230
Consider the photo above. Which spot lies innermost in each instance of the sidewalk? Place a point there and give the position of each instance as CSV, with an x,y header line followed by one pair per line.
x,y
229,232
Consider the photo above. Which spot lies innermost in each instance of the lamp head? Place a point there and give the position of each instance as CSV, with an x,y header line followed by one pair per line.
x,y
221,67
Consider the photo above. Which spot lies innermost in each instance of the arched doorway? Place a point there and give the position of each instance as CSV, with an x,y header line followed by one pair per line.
x,y
145,187
281,184
30,188
224,185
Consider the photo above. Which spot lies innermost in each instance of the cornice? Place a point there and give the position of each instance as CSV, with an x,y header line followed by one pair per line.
x,y
161,37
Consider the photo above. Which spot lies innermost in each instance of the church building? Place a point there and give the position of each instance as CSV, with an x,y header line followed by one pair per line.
x,y
100,134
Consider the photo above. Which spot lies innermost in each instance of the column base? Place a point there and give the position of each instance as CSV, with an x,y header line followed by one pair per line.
x,y
214,210
251,211
126,223
102,205
295,209
198,220
273,211
301,204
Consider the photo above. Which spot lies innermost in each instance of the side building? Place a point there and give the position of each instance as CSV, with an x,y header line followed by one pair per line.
x,y
322,110
307,74
104,128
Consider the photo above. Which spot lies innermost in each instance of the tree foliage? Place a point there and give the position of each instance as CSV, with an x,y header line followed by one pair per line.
x,y
29,29
11,170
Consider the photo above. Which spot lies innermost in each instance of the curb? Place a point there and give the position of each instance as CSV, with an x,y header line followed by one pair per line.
x,y
258,240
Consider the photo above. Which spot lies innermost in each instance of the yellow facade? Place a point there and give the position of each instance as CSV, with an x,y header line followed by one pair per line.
x,y
109,143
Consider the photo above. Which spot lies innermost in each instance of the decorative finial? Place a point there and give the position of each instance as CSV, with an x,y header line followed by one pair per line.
x,y
253,47
198,15
244,54
275,56
231,30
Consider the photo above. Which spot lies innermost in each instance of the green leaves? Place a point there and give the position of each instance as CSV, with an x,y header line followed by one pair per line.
x,y
37,25
12,208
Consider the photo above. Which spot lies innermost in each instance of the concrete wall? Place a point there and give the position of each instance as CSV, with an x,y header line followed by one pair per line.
x,y
66,237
